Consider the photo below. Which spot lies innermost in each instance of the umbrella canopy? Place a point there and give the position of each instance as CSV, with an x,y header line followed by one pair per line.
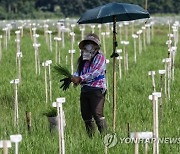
x,y
122,11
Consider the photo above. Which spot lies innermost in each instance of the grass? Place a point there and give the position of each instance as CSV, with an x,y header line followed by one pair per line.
x,y
133,106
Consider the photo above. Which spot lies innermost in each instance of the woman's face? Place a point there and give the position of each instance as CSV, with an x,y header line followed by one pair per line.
x,y
89,50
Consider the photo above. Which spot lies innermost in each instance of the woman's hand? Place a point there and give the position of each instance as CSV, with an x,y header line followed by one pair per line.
x,y
76,80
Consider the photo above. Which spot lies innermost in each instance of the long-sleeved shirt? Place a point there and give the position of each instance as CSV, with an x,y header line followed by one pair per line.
x,y
97,68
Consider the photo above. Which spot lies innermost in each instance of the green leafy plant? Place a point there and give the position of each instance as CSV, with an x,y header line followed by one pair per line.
x,y
63,71
51,112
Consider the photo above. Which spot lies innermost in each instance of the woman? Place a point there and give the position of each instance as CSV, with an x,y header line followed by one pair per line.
x,y
91,76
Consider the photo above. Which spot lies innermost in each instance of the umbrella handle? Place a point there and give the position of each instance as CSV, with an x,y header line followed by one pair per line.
x,y
114,54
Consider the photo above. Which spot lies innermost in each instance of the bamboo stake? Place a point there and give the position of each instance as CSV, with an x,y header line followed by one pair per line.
x,y
104,45
119,51
126,43
0,47
135,37
5,36
136,150
92,28
72,40
152,29
136,136
148,34
15,82
59,29
140,41
37,58
114,73
63,30
49,62
5,144
9,31
120,32
73,26
132,27
45,32
144,37
174,50
99,27
162,73
44,64
19,56
61,123
30,31
107,82
126,29
107,28
21,30
146,148
18,48
154,97
72,62
58,54
152,74
167,62
82,29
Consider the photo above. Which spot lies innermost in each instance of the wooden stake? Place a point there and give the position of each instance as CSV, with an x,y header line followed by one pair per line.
x,y
114,74
28,120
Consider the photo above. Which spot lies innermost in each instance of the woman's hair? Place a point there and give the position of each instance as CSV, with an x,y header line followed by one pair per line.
x,y
81,63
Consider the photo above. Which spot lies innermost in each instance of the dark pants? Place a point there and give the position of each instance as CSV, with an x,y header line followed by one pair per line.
x,y
92,105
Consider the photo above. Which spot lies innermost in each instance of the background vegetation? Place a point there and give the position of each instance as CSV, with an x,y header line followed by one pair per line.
x,y
36,9
133,106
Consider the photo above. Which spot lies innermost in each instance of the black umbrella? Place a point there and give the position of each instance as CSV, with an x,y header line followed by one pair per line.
x,y
113,12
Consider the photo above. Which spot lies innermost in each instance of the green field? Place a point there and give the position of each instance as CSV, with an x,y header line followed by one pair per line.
x,y
133,105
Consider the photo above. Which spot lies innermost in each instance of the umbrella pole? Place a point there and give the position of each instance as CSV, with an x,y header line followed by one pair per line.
x,y
114,73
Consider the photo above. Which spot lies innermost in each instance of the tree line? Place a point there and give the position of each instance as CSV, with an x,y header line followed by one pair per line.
x,y
32,9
